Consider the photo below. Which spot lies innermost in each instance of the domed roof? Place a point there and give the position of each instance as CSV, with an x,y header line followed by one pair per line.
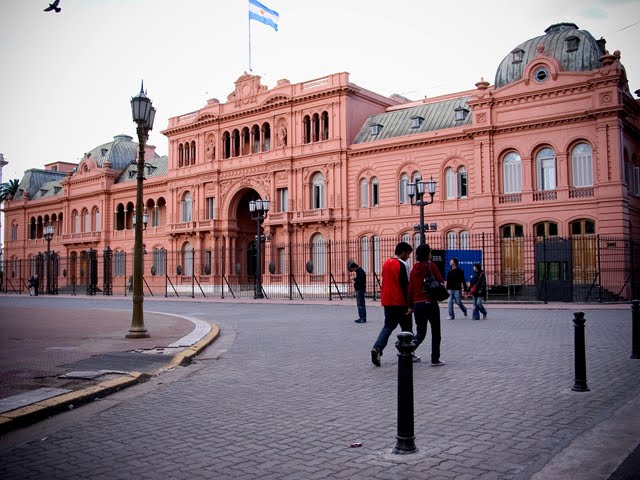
x,y
120,152
575,49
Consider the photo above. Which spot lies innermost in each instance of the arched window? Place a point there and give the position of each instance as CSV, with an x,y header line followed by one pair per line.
x,y
546,169
375,195
193,153
315,127
75,222
513,230
452,241
32,228
582,165
318,254
317,191
402,188
235,143
364,193
86,220
306,129
325,126
14,231
255,139
187,260
186,207
187,157
266,136
462,182
96,220
464,240
180,156
546,229
512,173
450,180
226,145
582,227
245,141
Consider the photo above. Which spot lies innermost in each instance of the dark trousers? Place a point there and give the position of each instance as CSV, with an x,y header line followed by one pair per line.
x,y
393,316
428,313
362,309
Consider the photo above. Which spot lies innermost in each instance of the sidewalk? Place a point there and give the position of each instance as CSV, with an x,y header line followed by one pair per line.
x,y
49,366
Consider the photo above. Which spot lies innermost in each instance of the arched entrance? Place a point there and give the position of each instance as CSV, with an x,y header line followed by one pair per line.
x,y
242,251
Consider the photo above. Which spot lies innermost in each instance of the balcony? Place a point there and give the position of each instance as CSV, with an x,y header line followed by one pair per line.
x,y
545,195
510,198
182,228
581,192
279,218
316,215
81,238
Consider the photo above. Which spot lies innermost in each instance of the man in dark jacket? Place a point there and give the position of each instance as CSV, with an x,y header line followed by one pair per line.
x,y
456,283
360,286
393,297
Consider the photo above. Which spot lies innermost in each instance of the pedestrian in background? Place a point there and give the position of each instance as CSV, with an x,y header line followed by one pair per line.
x,y
478,290
425,309
393,297
456,283
36,285
360,287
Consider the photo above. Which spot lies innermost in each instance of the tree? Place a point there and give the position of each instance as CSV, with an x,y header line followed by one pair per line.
x,y
9,189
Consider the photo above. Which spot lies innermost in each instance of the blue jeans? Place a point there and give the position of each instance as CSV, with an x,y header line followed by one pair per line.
x,y
428,313
362,310
478,308
456,296
393,316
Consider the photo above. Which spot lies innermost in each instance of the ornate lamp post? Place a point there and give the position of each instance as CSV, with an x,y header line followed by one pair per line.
x,y
143,115
417,190
48,235
259,209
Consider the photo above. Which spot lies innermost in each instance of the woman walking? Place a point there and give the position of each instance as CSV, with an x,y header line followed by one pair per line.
x,y
478,289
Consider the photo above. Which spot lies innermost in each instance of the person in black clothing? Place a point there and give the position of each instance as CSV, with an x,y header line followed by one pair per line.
x,y
456,283
478,289
360,286
36,285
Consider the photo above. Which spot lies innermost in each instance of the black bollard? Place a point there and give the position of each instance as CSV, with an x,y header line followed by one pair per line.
x,y
580,384
405,437
635,329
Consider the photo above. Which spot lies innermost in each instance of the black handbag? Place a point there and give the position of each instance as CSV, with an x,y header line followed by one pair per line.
x,y
432,287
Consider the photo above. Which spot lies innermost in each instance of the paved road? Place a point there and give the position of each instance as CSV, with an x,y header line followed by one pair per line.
x,y
286,389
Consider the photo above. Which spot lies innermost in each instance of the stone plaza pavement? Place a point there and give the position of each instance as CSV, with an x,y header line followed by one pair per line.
x,y
287,388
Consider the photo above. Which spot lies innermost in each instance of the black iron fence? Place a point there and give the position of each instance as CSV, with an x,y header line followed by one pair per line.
x,y
577,269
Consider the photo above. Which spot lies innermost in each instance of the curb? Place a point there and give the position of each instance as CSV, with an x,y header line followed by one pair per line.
x,y
27,415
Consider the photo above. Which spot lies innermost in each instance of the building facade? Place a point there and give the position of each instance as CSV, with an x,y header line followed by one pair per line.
x,y
538,174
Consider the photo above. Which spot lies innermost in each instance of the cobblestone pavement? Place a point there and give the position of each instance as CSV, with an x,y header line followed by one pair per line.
x,y
286,389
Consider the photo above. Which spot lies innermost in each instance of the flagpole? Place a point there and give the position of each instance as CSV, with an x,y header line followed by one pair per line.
x,y
250,70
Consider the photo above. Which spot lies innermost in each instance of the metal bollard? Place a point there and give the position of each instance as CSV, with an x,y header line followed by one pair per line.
x,y
405,437
635,329
580,384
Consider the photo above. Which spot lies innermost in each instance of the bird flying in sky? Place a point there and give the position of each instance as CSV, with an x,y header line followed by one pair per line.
x,y
53,6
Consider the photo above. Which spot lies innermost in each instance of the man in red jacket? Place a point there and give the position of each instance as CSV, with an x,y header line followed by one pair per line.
x,y
393,297
425,308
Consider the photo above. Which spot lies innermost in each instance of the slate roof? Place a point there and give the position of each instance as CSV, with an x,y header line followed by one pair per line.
x,y
585,58
398,123
119,152
35,179
155,167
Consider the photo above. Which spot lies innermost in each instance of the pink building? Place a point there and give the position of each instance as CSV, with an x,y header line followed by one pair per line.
x,y
537,176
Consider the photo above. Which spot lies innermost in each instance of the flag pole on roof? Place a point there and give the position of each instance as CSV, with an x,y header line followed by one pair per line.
x,y
262,14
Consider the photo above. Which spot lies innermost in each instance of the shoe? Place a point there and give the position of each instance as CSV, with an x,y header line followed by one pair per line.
x,y
439,363
465,314
414,357
450,318
360,321
375,356
484,316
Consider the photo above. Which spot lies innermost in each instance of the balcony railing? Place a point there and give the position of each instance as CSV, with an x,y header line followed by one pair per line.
x,y
545,195
581,192
319,215
84,237
510,198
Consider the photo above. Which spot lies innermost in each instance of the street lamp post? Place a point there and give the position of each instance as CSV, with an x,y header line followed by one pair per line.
x,y
48,235
259,209
143,115
417,190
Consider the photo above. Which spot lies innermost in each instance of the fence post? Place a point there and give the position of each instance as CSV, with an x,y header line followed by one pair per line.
x,y
330,270
599,272
635,329
405,437
580,384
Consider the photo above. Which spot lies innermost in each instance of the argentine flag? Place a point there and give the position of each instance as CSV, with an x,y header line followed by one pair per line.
x,y
259,12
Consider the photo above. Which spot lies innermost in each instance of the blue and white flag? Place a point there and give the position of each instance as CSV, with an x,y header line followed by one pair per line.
x,y
259,12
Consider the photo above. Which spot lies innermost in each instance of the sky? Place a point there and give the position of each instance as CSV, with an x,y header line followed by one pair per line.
x,y
66,79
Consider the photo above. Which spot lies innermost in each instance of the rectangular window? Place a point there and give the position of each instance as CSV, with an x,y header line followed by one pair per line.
x,y
317,196
207,262
636,181
119,259
374,194
155,217
211,208
582,171
451,184
283,200
159,256
462,184
547,178
364,188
